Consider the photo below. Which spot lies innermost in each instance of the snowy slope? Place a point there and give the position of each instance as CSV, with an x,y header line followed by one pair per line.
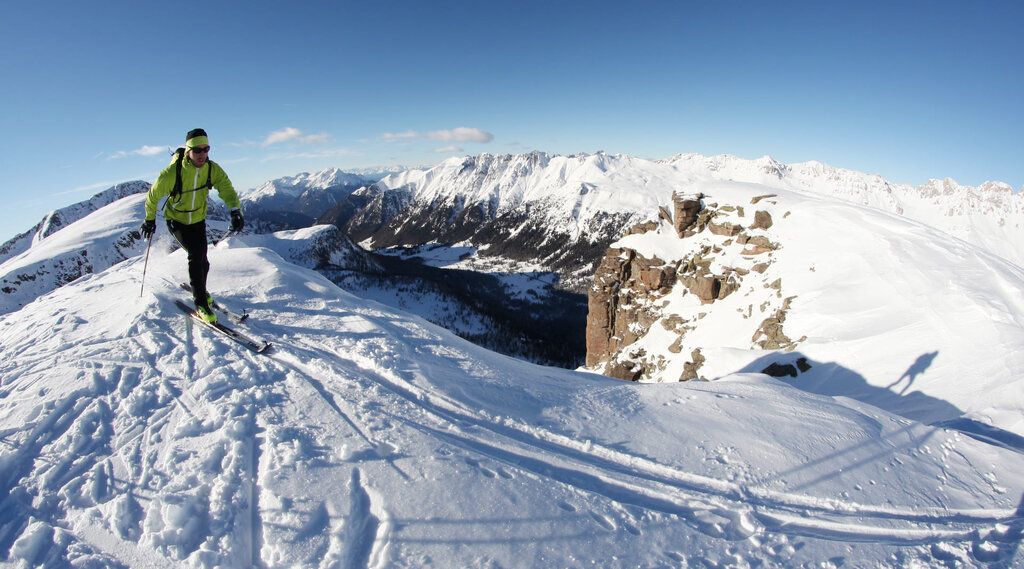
x,y
60,218
311,247
889,311
90,244
990,216
368,438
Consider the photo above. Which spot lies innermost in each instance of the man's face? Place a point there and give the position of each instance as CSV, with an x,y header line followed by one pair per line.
x,y
198,155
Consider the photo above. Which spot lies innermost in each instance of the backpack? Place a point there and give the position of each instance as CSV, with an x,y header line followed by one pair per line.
x,y
176,192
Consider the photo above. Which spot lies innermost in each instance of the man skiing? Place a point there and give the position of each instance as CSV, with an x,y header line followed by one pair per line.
x,y
188,183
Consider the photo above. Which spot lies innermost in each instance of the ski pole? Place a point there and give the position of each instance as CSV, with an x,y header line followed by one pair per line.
x,y
145,265
223,237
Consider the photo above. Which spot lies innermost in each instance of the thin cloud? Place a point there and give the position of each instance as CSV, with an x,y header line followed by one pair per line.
x,y
326,153
105,185
460,134
288,134
409,134
145,150
89,188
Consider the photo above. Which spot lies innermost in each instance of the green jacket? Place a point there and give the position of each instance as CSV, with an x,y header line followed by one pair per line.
x,y
190,207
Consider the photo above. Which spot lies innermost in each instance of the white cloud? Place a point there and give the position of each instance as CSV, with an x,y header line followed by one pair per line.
x,y
291,133
460,134
145,150
400,135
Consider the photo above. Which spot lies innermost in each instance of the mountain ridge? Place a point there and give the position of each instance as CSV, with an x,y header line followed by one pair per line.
x,y
586,186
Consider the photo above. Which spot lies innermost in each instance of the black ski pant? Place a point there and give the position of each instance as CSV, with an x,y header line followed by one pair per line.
x,y
193,240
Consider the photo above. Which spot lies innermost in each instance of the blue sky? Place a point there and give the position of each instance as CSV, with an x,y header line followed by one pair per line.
x,y
93,93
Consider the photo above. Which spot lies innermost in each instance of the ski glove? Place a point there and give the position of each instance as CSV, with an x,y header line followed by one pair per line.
x,y
237,223
148,228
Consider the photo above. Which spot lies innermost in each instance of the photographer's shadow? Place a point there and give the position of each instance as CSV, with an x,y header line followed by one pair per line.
x,y
833,379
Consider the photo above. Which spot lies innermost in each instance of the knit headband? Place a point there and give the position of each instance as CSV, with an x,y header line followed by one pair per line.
x,y
196,137
197,141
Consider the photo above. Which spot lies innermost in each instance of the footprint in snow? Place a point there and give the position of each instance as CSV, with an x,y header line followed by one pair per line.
x,y
483,470
603,521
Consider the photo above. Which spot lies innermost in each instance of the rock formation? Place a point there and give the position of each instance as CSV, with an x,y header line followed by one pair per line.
x,y
636,299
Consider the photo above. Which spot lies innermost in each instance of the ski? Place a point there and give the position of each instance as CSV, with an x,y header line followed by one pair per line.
x,y
222,309
258,346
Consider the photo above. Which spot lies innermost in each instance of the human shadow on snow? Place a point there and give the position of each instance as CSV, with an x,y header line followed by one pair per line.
x,y
835,380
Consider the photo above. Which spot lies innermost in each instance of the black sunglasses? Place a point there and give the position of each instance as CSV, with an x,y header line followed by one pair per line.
x,y
201,149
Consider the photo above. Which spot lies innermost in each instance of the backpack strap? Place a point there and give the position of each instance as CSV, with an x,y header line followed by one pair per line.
x,y
209,176
176,192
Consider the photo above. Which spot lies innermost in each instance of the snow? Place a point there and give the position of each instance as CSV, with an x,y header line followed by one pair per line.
x,y
82,247
578,189
370,438
294,186
130,436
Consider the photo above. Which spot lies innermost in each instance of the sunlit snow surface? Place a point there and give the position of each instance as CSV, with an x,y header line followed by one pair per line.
x,y
130,436
368,438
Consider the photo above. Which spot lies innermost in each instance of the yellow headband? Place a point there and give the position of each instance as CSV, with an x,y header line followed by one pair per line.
x,y
197,141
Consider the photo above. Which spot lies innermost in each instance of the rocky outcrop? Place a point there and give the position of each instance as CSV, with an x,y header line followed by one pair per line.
x,y
686,213
623,286
635,299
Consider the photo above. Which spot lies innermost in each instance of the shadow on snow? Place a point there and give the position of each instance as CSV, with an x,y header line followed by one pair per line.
x,y
835,380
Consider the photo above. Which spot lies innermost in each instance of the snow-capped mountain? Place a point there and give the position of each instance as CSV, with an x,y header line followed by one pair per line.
x,y
990,215
501,314
561,212
60,218
296,201
131,436
65,248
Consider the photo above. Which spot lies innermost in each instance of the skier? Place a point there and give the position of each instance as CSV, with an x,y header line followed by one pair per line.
x,y
185,209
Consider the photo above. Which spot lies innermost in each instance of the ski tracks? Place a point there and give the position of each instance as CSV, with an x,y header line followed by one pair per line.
x,y
351,531
359,537
719,509
150,461
189,458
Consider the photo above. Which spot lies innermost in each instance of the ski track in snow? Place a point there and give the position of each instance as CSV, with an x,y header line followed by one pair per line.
x,y
736,511
722,509
186,438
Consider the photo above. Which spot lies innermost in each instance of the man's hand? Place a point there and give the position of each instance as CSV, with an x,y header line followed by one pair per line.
x,y
237,222
148,228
